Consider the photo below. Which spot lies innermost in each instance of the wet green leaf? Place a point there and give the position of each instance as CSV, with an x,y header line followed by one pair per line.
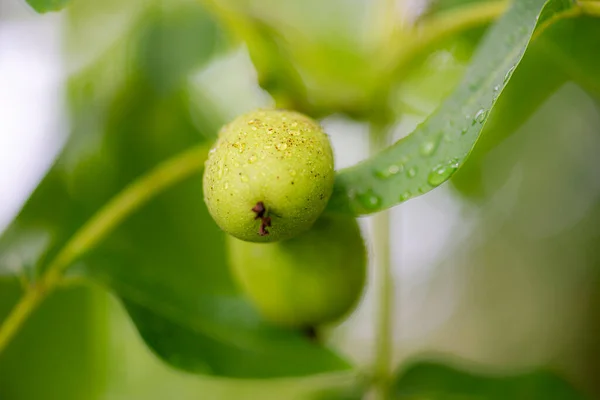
x,y
438,147
562,51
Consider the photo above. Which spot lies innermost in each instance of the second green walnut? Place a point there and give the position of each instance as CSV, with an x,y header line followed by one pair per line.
x,y
269,176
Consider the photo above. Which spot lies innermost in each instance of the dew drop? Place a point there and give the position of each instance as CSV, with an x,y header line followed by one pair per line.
x,y
226,186
405,196
292,172
442,172
464,130
428,147
509,73
389,171
412,172
243,178
476,117
479,117
281,146
369,200
252,160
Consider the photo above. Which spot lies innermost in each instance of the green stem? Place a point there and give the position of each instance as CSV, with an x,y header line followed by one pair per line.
x,y
98,227
383,284
432,31
31,299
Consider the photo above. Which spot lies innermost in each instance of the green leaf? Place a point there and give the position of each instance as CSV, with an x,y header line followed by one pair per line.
x,y
167,260
176,40
562,52
438,147
435,381
527,90
43,6
61,348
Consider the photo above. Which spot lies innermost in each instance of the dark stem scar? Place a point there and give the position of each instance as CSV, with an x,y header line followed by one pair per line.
x,y
260,210
311,333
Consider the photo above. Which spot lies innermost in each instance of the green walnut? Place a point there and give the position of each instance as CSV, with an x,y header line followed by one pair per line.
x,y
269,175
312,279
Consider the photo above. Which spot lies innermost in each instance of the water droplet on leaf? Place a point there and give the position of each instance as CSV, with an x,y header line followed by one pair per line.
x,y
509,74
369,200
477,116
428,147
481,116
442,172
389,171
412,172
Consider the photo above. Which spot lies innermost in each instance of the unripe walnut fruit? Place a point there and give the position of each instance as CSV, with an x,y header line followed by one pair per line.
x,y
269,175
312,279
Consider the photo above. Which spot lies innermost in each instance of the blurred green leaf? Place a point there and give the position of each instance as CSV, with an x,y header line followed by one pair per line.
x,y
356,392
435,381
435,150
43,6
166,261
275,71
61,348
563,53
176,40
569,43
310,63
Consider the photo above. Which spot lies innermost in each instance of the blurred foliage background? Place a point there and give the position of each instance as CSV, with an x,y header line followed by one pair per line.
x,y
500,268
